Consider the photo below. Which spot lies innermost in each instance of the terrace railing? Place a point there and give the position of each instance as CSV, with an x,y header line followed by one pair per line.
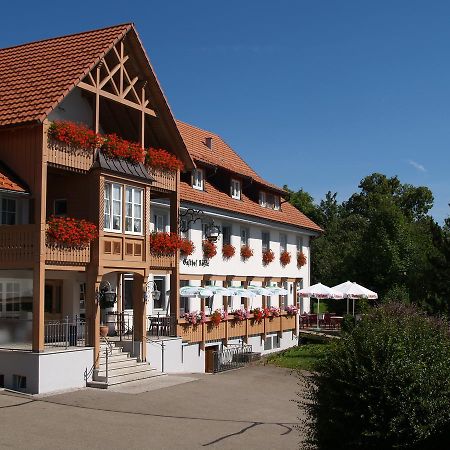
x,y
65,333
232,358
159,326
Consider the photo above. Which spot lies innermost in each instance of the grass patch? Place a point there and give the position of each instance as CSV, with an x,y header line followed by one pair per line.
x,y
303,357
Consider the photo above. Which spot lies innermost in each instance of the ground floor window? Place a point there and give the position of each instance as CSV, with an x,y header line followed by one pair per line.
x,y
184,301
16,292
160,303
127,291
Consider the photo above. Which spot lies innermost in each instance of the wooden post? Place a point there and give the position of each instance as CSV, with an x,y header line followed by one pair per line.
x,y
139,314
40,193
175,274
202,309
97,100
297,319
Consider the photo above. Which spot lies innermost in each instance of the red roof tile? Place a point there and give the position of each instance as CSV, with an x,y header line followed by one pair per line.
x,y
224,156
9,182
34,77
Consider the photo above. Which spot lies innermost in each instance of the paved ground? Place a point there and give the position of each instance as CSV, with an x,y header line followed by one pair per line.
x,y
250,408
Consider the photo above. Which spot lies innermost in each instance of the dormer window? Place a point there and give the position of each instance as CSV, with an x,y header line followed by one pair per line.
x,y
235,189
262,198
276,202
198,176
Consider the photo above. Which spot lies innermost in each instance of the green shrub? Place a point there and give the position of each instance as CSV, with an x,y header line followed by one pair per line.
x,y
348,323
384,385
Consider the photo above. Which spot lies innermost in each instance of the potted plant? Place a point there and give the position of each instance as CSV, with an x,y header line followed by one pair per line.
x,y
187,247
268,256
258,314
285,258
216,317
246,252
209,249
228,251
301,259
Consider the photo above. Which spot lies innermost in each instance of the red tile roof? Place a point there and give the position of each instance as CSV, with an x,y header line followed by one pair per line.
x,y
35,77
224,156
221,154
9,182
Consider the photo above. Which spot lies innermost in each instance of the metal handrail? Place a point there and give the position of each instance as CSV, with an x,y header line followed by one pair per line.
x,y
108,351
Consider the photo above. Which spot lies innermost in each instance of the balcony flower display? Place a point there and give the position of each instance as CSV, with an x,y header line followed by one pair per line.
x,y
187,247
301,259
291,310
268,256
275,312
216,317
159,159
194,318
77,136
285,258
240,315
228,251
258,314
164,244
209,249
80,137
70,233
116,147
246,252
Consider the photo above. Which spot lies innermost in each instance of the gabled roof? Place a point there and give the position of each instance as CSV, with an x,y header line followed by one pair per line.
x,y
35,77
224,156
10,182
221,154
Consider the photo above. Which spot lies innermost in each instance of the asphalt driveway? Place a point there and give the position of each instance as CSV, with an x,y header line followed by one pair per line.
x,y
249,408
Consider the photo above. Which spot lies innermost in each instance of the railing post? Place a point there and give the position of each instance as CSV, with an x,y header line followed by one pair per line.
x,y
158,324
67,331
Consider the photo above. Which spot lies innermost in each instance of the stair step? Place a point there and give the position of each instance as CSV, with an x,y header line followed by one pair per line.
x,y
114,364
118,357
135,377
97,384
126,370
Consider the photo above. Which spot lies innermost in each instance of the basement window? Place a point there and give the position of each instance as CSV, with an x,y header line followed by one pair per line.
x,y
2,381
19,382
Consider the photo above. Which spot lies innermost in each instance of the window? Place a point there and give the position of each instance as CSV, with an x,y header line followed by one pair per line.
x,y
265,237
299,243
160,285
160,223
283,242
205,228
8,211
9,297
236,189
113,207
270,201
276,202
82,297
262,198
133,210
184,301
184,229
245,235
197,179
226,234
127,291
60,207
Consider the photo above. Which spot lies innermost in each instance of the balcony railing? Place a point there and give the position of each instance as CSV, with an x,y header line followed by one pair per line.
x,y
165,181
16,245
63,155
67,256
162,262
231,328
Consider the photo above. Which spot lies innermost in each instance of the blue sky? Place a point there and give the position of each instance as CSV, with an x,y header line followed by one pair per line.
x,y
314,94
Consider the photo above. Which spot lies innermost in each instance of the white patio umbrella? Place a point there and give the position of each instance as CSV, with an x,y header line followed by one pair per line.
x,y
319,291
276,290
242,292
195,291
354,291
259,290
220,290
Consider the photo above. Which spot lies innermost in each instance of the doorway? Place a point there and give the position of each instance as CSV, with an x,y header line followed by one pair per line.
x,y
53,300
209,358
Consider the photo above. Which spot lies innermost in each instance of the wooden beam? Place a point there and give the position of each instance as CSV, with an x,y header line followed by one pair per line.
x,y
97,101
115,98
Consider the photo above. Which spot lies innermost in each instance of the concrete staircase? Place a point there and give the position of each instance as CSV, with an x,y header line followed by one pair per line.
x,y
122,368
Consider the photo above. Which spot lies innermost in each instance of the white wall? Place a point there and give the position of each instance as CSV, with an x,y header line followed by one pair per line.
x,y
49,371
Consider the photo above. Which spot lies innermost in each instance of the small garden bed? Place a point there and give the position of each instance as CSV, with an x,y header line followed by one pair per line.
x,y
303,357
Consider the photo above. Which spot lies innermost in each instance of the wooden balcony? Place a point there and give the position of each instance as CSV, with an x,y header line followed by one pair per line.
x,y
64,156
164,181
60,256
16,246
162,262
231,328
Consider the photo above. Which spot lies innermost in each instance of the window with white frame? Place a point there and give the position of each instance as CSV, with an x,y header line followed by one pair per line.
x,y
270,201
245,235
299,243
113,207
198,176
133,210
160,304
276,202
262,198
226,234
160,221
184,229
184,301
235,189
205,227
283,242
265,239
8,211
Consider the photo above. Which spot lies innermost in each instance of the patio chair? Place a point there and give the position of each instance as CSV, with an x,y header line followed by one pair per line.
x,y
327,320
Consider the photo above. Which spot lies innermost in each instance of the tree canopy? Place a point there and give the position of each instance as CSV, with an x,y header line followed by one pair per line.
x,y
383,238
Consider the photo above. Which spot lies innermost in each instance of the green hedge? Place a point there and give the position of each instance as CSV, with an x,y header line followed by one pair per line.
x,y
385,384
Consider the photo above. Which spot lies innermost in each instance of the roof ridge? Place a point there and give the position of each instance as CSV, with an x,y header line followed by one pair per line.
x,y
129,24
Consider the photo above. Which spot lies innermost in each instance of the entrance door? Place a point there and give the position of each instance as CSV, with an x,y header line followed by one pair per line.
x,y
209,358
53,300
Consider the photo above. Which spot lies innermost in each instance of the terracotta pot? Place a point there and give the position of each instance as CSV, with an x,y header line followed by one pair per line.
x,y
103,330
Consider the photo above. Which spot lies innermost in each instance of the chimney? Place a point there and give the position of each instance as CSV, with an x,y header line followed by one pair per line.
x,y
209,142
